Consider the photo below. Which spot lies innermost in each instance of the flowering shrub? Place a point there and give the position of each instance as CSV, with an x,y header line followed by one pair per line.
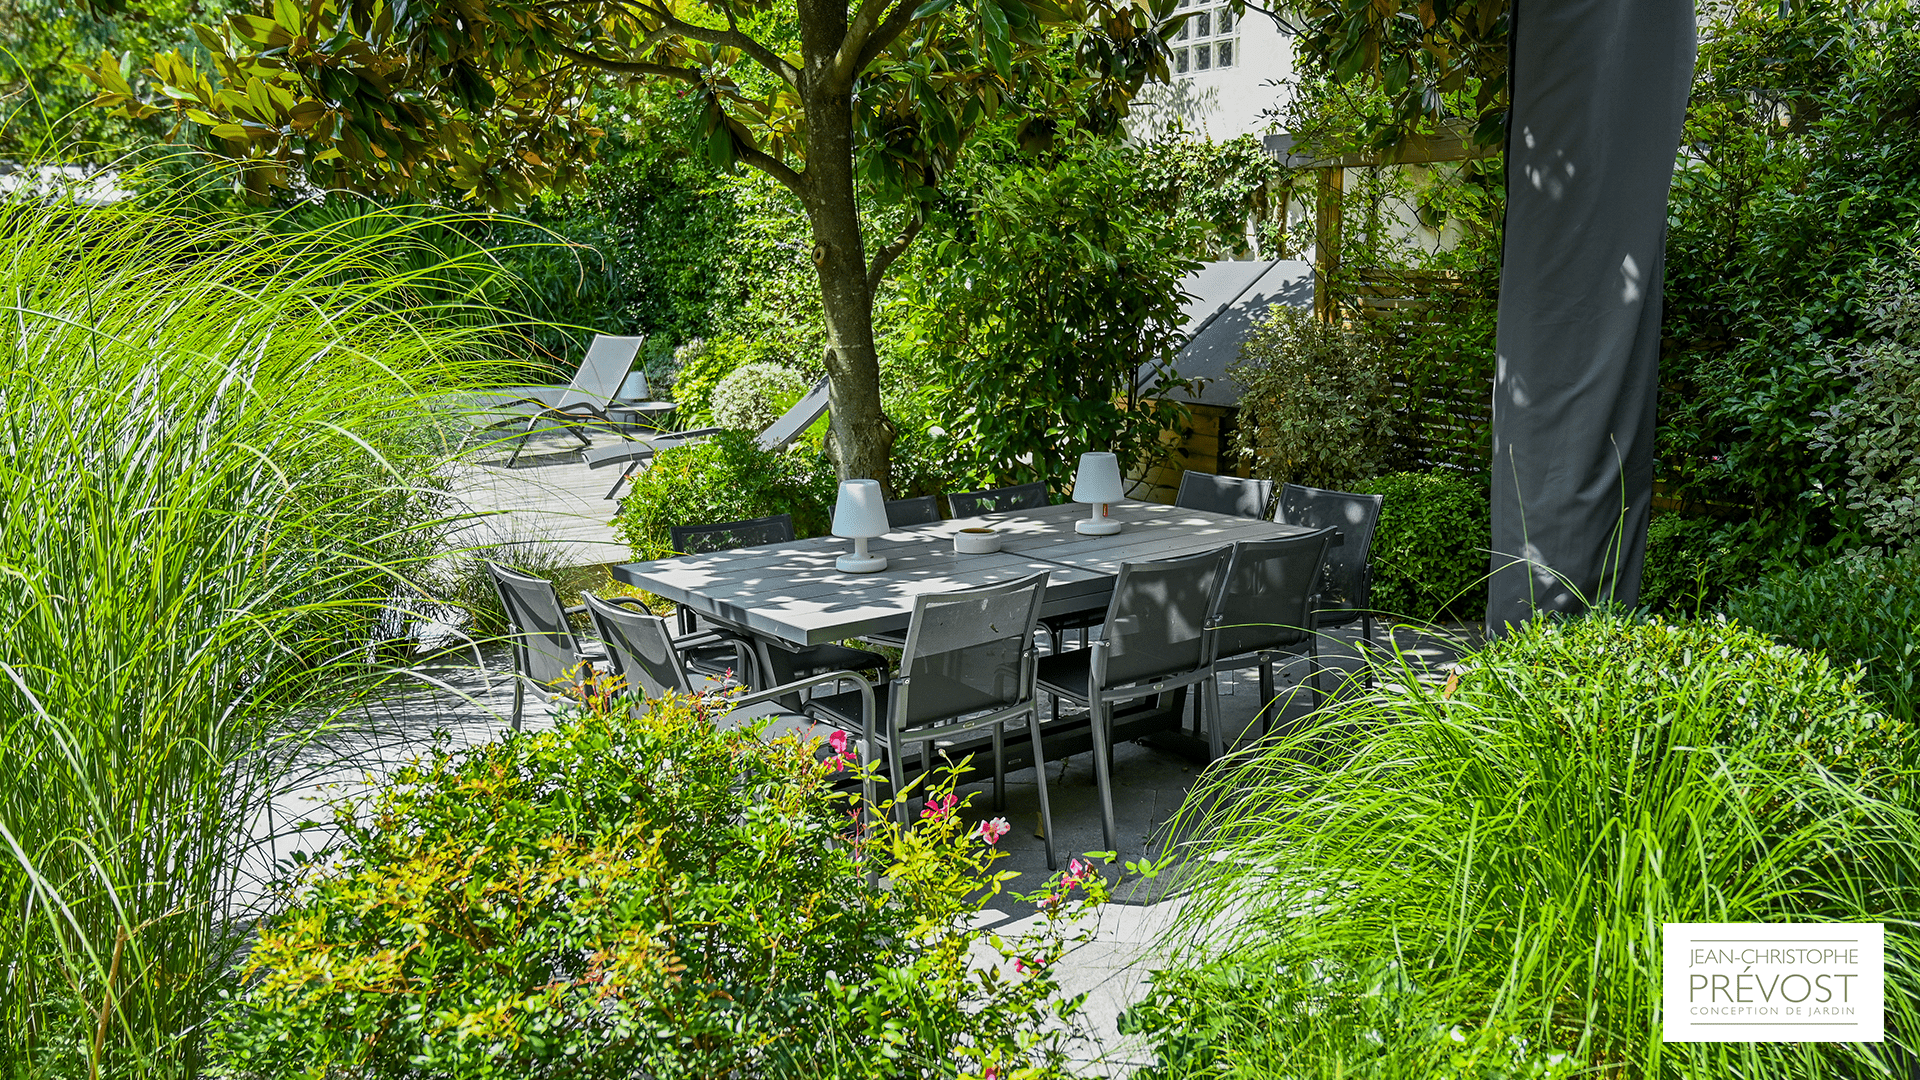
x,y
645,892
752,397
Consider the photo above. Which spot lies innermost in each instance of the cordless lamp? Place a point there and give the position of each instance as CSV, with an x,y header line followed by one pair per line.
x,y
861,512
1097,484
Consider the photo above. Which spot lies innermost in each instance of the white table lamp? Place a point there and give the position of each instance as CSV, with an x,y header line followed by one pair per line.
x,y
861,512
1097,484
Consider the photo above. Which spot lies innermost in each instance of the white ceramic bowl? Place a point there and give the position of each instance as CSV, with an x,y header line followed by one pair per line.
x,y
976,541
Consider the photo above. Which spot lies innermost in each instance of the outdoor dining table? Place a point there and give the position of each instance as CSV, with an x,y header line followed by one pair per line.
x,y
791,592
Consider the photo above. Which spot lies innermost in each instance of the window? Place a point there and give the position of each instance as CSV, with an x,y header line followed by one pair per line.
x,y
1211,30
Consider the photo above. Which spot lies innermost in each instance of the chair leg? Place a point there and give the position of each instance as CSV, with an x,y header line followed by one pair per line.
x,y
1103,770
999,767
525,434
519,699
622,479
898,771
1313,673
1210,702
1040,780
1267,692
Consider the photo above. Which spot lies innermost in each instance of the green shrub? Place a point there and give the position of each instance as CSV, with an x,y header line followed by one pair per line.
x,y
1052,298
1317,404
1872,429
703,367
1430,551
1469,878
724,478
1690,564
648,893
754,395
1863,608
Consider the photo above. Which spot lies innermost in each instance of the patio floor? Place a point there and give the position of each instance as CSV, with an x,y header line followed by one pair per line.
x,y
465,699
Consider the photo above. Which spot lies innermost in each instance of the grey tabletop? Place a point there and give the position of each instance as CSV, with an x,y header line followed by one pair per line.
x,y
792,591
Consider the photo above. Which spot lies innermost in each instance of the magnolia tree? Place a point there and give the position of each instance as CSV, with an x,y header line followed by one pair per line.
x,y
489,100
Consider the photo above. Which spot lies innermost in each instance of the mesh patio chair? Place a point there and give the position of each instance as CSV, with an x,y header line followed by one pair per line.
x,y
787,428
1347,584
924,510
777,663
1224,494
998,500
1266,611
968,668
651,659
1025,497
547,656
1154,640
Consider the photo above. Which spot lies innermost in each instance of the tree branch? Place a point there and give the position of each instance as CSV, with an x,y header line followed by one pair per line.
x,y
795,182
884,258
630,67
859,30
726,39
885,34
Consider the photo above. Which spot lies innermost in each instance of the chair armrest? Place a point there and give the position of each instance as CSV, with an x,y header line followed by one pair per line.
x,y
771,693
574,610
699,638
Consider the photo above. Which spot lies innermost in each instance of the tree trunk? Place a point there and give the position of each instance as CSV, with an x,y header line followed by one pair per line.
x,y
862,436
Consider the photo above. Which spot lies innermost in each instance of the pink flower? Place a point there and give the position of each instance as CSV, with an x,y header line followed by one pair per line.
x,y
939,808
992,831
991,1074
838,742
1027,967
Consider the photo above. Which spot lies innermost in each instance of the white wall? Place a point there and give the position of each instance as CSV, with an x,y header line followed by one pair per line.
x,y
1223,102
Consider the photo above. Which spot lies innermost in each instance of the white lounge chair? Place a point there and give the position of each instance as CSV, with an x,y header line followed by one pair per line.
x,y
594,390
634,454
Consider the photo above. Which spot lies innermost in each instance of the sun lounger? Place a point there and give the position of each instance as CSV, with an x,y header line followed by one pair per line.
x,y
632,455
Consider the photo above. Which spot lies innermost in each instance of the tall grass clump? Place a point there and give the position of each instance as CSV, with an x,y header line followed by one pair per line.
x,y
1469,877
216,462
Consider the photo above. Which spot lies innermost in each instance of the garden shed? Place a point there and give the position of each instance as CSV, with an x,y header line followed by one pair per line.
x,y
1226,298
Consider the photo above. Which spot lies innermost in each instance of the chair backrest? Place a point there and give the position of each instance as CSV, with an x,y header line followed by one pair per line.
x,y
921,511
544,647
1156,623
602,371
967,651
1347,586
998,500
1224,494
639,648
1268,600
797,419
700,539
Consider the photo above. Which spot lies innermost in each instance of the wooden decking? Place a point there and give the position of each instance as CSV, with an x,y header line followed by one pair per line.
x,y
550,497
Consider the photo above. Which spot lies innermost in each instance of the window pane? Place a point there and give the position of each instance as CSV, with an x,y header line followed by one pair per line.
x,y
1224,20
1223,54
1200,58
1180,61
1200,25
1186,28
